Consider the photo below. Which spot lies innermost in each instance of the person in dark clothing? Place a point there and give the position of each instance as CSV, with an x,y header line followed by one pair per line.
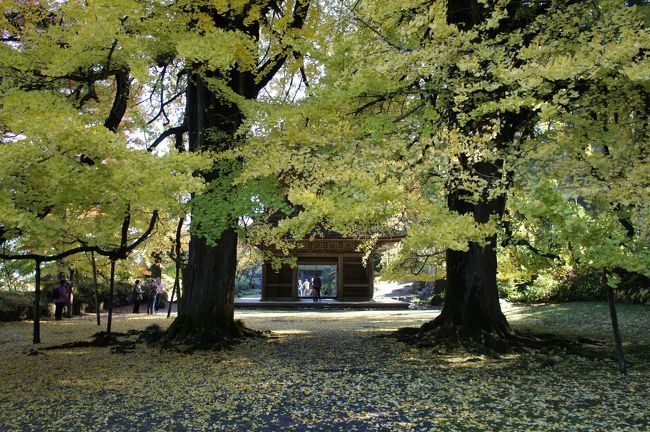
x,y
60,300
151,297
317,285
137,296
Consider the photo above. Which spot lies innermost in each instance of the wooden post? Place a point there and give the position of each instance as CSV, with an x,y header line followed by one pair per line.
x,y
294,282
110,297
264,293
177,265
339,279
617,334
370,263
94,264
37,303
171,300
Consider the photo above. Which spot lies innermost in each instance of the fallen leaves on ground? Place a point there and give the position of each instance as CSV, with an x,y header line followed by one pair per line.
x,y
321,371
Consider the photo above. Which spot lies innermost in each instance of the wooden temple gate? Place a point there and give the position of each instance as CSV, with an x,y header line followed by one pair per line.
x,y
354,281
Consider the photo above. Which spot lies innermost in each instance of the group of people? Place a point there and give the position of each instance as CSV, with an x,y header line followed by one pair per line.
x,y
152,291
310,288
63,297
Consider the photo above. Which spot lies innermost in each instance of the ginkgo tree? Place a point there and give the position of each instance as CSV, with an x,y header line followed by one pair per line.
x,y
54,204
73,178
149,71
446,119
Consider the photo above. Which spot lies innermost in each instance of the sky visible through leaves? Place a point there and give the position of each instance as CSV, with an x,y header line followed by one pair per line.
x,y
326,371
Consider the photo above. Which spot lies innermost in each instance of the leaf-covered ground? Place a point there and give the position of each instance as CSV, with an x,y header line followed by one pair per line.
x,y
325,371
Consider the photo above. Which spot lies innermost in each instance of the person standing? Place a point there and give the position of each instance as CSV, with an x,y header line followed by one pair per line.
x,y
306,288
159,290
137,296
300,288
317,285
69,296
151,296
60,300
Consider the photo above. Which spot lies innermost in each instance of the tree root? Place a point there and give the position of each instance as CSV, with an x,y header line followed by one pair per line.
x,y
445,338
184,339
187,337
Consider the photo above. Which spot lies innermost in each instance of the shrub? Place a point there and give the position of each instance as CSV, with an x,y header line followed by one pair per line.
x,y
576,286
555,285
19,305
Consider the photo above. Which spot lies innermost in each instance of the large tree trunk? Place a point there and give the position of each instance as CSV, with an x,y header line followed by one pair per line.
x,y
206,308
471,309
471,314
472,298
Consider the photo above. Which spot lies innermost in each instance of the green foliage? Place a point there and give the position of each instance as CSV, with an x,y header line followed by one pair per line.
x,y
16,306
555,285
405,110
72,162
549,113
14,275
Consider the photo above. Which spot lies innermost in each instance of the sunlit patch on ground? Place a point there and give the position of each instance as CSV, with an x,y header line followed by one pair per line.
x,y
322,371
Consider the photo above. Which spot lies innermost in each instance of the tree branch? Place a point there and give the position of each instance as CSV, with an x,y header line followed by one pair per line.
x,y
178,130
120,102
268,70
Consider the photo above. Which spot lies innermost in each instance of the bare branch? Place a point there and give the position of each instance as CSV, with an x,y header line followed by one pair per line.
x,y
268,70
178,131
120,102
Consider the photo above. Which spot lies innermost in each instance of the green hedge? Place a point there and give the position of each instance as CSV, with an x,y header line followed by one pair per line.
x,y
573,286
16,306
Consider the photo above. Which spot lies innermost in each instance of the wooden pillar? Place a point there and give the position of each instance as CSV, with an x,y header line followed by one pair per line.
x,y
339,278
294,283
370,263
264,281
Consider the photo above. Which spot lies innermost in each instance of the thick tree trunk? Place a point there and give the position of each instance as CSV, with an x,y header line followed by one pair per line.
x,y
206,308
471,310
472,299
207,304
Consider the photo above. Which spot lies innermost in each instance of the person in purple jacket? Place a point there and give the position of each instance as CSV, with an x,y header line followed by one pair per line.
x,y
60,300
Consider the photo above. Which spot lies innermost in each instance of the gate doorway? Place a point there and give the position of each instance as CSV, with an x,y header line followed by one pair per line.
x,y
327,275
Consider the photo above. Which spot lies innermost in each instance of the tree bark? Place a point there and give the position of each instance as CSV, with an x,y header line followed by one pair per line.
x,y
178,264
471,308
37,302
96,290
472,298
110,298
206,309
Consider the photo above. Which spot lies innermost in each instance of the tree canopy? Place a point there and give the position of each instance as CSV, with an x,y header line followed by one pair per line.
x,y
473,127
412,106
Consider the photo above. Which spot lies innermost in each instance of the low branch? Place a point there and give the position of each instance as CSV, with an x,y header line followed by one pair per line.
x,y
521,242
120,252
